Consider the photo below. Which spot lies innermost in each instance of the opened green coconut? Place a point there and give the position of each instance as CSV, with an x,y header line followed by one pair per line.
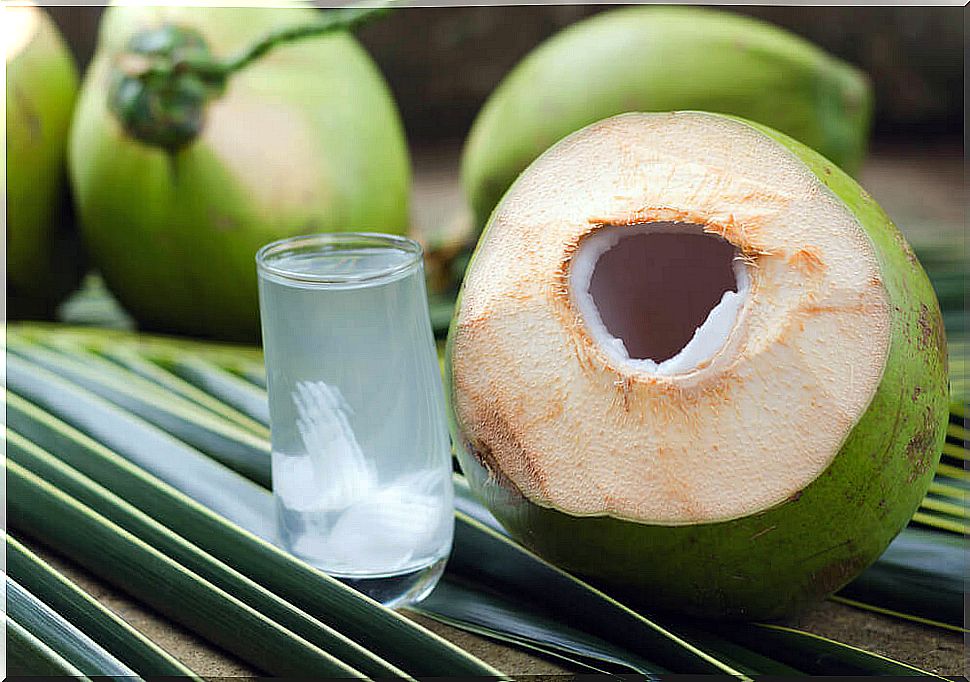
x,y
43,259
696,362
664,59
175,199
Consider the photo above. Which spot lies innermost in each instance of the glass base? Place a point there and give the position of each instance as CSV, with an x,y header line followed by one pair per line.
x,y
400,589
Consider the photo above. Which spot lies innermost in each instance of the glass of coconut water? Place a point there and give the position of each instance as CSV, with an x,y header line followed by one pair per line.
x,y
361,456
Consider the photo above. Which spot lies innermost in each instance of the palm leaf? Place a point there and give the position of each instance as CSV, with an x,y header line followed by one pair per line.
x,y
126,643
135,439
921,574
155,347
99,499
464,500
817,655
750,662
234,446
490,614
484,556
254,375
28,655
45,513
499,562
146,369
236,548
839,599
948,491
75,647
231,389
689,648
958,433
382,631
940,522
953,472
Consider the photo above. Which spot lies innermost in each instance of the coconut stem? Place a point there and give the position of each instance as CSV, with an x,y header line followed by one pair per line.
x,y
344,19
168,75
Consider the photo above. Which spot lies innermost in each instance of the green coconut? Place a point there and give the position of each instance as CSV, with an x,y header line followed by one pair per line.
x,y
694,361
664,59
43,259
305,139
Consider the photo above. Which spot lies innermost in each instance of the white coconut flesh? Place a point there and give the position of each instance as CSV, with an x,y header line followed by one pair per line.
x,y
670,320
17,27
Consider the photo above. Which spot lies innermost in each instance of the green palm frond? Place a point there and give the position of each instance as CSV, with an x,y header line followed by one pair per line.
x,y
68,642
123,641
243,547
158,449
28,655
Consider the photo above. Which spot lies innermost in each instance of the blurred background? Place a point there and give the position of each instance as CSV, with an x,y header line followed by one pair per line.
x,y
442,62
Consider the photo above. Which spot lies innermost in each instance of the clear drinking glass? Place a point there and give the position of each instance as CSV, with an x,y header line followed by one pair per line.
x,y
361,456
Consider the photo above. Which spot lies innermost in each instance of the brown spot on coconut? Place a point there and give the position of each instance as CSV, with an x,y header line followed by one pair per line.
x,y
726,363
808,261
836,574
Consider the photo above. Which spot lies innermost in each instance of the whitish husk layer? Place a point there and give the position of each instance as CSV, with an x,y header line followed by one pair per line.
x,y
772,466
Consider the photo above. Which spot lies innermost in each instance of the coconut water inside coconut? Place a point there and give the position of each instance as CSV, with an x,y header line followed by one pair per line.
x,y
361,457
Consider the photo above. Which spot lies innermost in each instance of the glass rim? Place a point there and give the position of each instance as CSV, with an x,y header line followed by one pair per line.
x,y
319,241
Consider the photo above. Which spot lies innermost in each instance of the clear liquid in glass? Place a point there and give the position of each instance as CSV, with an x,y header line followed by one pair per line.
x,y
361,456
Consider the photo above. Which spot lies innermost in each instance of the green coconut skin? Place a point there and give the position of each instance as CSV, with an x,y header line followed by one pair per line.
x,y
316,145
776,562
664,59
43,255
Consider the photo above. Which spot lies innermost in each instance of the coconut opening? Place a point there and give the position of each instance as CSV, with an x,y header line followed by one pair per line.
x,y
565,402
659,297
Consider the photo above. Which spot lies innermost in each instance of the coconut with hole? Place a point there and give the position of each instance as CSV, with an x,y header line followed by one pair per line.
x,y
696,363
